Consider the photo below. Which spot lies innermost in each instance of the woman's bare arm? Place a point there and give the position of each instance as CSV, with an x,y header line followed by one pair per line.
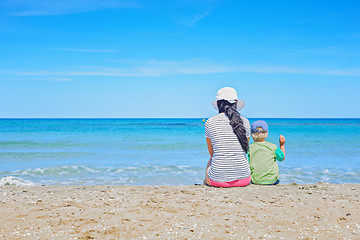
x,y
210,146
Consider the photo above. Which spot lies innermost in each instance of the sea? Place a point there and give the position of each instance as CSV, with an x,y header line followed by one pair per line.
x,y
163,151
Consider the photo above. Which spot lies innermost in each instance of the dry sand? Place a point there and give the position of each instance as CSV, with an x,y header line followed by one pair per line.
x,y
318,211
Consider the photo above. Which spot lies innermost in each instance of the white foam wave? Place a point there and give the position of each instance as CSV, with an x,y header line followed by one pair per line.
x,y
31,171
10,180
91,170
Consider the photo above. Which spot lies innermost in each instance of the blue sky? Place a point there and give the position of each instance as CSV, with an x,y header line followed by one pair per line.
x,y
113,58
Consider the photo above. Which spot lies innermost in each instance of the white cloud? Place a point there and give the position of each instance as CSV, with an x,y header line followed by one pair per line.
x,y
273,69
61,7
58,79
198,17
155,68
87,50
189,20
152,68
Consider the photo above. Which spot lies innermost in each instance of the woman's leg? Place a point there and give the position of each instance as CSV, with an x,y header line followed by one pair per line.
x,y
235,183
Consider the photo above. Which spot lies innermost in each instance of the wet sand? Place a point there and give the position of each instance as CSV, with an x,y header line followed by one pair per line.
x,y
317,211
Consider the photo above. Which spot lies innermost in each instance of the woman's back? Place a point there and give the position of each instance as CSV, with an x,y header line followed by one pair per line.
x,y
229,161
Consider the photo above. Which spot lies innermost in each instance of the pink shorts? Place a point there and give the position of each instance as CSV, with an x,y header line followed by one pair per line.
x,y
236,183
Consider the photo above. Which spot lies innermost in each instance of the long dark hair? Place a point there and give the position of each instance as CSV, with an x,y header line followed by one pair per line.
x,y
235,121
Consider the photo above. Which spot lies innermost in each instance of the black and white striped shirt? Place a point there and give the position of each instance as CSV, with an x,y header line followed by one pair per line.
x,y
229,161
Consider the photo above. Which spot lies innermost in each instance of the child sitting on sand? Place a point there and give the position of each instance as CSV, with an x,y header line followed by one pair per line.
x,y
263,155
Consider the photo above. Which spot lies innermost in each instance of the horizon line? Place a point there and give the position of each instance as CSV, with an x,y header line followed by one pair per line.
x,y
94,118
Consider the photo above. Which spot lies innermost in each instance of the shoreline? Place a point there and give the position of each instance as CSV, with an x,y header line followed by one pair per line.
x,y
288,211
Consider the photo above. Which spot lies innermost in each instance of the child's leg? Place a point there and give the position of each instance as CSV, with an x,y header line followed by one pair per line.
x,y
269,184
276,183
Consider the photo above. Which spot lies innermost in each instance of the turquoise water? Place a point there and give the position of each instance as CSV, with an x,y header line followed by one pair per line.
x,y
162,151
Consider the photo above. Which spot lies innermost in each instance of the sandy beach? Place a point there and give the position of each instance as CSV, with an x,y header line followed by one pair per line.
x,y
317,211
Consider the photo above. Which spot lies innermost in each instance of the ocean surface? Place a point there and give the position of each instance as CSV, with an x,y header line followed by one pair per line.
x,y
162,151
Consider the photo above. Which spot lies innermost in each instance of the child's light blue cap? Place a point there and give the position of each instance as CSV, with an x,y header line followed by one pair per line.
x,y
257,124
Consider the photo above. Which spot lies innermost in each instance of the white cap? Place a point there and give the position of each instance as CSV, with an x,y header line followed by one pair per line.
x,y
229,94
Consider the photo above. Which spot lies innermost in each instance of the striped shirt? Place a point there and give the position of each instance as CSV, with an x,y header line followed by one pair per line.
x,y
229,161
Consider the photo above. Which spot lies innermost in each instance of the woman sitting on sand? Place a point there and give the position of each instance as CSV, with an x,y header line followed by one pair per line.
x,y
227,136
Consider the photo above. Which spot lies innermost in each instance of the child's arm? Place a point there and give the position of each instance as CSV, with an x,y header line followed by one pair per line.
x,y
282,144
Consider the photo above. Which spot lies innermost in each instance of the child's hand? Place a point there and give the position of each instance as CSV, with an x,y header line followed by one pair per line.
x,y
282,140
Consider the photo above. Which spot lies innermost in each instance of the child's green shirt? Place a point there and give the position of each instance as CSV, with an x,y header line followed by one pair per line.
x,y
262,160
